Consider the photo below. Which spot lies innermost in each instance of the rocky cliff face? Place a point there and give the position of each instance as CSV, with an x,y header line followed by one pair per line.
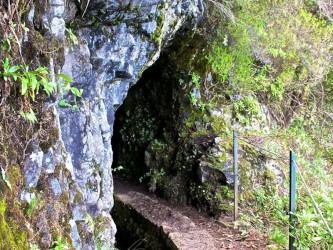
x,y
117,41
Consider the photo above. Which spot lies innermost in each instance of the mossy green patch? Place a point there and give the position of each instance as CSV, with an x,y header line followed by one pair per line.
x,y
11,234
78,197
156,36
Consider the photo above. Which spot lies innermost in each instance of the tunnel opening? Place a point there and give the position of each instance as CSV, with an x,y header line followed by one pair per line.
x,y
151,143
146,124
148,146
148,115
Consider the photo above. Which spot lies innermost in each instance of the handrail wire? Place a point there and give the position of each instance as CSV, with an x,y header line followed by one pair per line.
x,y
252,144
314,202
261,148
279,156
302,178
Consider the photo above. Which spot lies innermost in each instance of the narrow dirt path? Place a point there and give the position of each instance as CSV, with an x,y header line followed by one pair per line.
x,y
185,226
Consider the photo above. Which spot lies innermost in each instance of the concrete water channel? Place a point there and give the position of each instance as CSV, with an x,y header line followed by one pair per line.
x,y
147,222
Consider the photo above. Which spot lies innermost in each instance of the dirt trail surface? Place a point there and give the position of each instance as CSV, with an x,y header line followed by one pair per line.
x,y
185,227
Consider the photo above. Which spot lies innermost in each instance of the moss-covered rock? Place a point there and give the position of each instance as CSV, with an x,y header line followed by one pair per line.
x,y
13,224
12,234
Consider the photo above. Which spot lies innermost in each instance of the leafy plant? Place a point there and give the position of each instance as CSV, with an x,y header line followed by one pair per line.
x,y
195,96
246,109
30,116
6,44
279,237
67,86
64,103
59,245
32,81
72,37
8,71
195,79
31,207
154,177
311,230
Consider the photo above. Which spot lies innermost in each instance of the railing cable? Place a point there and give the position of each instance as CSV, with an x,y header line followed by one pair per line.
x,y
256,146
314,202
302,178
261,148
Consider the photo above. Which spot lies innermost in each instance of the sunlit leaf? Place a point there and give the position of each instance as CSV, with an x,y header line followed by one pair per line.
x,y
33,81
77,92
24,85
42,70
14,69
63,103
67,78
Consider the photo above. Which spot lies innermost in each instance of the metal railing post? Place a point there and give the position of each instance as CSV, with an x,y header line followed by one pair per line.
x,y
292,201
235,176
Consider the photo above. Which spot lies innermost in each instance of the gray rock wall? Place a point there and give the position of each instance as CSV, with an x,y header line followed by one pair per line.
x,y
117,41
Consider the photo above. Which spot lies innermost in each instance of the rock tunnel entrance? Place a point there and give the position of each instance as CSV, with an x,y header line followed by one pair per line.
x,y
148,140
145,124
148,114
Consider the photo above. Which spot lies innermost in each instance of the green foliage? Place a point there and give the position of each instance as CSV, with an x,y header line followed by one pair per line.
x,y
268,213
32,205
30,116
63,103
156,36
32,80
6,44
59,245
154,176
211,197
139,133
71,37
67,85
76,93
195,79
279,50
221,62
234,65
311,230
272,206
246,109
277,53
195,93
279,237
8,71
